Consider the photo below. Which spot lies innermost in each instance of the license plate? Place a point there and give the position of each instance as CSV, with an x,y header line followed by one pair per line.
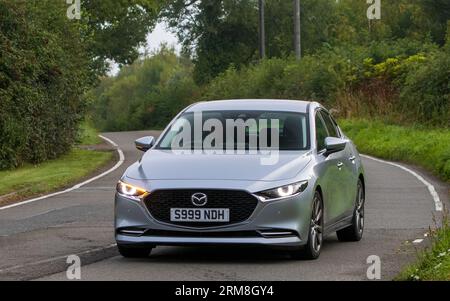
x,y
201,215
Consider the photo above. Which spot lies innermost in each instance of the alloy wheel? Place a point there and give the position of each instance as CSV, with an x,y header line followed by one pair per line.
x,y
316,225
359,214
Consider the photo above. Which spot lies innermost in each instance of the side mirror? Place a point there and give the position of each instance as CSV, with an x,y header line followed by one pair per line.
x,y
334,145
145,143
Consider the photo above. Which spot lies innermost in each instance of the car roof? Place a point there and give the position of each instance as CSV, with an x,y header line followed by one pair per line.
x,y
252,104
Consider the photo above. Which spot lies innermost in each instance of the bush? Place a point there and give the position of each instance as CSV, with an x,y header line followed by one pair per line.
x,y
42,80
263,80
405,81
147,94
425,93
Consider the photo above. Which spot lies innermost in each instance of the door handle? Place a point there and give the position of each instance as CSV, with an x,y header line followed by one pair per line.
x,y
340,165
352,158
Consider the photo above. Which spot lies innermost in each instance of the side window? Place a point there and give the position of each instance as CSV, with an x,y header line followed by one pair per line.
x,y
336,126
321,133
332,130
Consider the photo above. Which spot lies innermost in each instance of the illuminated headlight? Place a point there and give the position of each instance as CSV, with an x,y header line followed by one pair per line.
x,y
282,192
131,191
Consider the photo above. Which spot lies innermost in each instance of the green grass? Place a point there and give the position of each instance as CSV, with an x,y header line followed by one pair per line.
x,y
31,180
434,262
52,175
428,148
88,134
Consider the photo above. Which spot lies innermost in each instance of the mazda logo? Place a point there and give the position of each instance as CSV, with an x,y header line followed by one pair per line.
x,y
199,199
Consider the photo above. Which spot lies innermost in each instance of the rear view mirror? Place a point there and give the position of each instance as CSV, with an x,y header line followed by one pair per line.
x,y
334,145
145,143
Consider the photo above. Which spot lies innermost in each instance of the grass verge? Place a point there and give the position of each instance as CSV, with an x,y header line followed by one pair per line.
x,y
434,262
33,180
88,134
428,148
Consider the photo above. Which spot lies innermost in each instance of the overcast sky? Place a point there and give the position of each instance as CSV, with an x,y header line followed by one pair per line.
x,y
154,40
162,35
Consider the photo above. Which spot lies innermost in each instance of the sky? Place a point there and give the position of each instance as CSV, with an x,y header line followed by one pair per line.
x,y
162,35
159,35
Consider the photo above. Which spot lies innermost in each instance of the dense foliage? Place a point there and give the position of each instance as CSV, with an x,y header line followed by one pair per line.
x,y
48,63
113,30
146,94
402,81
43,75
405,81
224,33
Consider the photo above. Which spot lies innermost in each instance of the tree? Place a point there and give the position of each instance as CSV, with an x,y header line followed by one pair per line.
x,y
217,33
222,33
152,90
438,14
114,30
43,77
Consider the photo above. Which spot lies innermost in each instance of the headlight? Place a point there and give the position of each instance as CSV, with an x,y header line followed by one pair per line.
x,y
282,192
131,191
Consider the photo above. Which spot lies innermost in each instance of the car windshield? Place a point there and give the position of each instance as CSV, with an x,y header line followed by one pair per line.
x,y
238,130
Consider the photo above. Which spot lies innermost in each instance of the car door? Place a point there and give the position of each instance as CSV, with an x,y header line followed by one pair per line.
x,y
351,158
346,178
327,172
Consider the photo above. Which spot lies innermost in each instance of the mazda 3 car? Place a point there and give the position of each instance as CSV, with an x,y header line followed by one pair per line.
x,y
276,173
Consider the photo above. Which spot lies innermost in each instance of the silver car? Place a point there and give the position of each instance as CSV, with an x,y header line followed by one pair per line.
x,y
183,196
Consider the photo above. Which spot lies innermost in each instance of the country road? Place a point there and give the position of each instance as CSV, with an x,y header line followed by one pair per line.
x,y
36,238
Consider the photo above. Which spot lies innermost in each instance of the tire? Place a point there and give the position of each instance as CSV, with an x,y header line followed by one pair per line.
x,y
356,230
134,252
312,249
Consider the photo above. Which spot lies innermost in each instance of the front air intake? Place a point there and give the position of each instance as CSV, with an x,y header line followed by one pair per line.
x,y
240,203
277,233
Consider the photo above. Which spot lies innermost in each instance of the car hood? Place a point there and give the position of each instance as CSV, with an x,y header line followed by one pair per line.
x,y
164,165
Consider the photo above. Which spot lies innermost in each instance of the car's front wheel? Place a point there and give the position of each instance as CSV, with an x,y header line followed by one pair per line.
x,y
356,230
315,237
134,252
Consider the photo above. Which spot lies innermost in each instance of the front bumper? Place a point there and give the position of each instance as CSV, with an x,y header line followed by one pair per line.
x,y
283,223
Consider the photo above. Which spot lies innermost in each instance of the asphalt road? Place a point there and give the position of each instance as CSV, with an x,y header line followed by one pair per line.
x,y
36,238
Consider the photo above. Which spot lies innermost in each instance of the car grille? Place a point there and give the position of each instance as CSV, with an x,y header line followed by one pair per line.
x,y
241,205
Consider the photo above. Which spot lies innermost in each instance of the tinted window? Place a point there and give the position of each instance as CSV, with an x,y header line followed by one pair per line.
x,y
291,128
321,133
332,130
336,126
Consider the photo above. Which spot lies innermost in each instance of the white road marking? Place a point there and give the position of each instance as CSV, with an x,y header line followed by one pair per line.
x,y
437,201
418,241
108,140
118,164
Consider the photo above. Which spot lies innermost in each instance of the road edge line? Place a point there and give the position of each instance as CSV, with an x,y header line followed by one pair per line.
x,y
439,207
77,186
